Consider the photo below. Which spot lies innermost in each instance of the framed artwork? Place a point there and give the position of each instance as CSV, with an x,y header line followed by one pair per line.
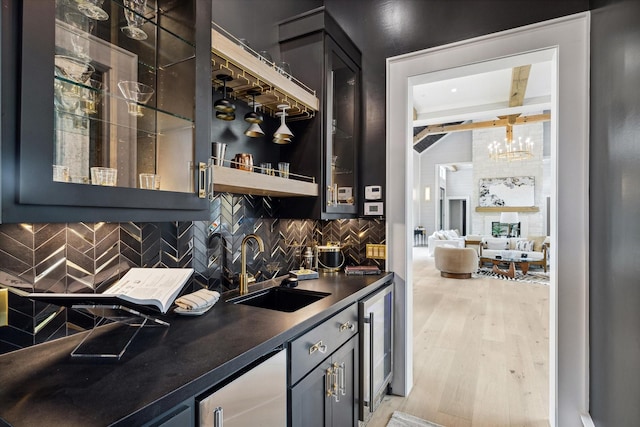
x,y
514,191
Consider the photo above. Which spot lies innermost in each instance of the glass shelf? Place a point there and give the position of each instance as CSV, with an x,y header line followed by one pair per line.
x,y
124,93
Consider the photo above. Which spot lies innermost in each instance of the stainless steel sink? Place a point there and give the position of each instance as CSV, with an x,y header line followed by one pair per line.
x,y
280,298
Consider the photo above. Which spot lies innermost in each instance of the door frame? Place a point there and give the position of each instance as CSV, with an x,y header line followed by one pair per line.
x,y
467,210
568,328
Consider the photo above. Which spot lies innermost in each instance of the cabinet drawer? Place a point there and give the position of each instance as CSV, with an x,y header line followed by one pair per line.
x,y
313,347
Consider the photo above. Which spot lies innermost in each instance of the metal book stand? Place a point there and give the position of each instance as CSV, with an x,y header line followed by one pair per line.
x,y
115,328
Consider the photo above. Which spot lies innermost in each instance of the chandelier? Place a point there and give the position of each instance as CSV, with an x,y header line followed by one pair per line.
x,y
511,150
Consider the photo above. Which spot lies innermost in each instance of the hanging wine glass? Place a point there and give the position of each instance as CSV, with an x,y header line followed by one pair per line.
x,y
254,117
283,134
225,109
134,14
93,9
136,94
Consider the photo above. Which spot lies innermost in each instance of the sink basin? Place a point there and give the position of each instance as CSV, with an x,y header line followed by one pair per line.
x,y
280,299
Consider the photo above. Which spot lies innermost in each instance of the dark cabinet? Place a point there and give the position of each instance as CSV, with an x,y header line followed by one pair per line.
x,y
111,116
327,396
327,146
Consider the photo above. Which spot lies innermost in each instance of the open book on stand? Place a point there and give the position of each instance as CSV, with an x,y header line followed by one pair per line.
x,y
146,289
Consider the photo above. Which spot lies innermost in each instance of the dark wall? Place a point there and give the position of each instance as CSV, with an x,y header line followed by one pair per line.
x,y
614,212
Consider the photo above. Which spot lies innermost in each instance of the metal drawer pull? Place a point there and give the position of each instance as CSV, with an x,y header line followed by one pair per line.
x,y
347,326
218,417
318,347
327,381
341,375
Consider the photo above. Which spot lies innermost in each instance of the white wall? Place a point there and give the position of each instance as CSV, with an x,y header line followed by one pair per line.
x,y
455,147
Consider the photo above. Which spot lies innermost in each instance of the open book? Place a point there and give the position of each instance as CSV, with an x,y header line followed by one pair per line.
x,y
139,287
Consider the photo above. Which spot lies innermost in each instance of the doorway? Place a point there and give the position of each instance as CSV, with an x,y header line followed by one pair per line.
x,y
568,37
458,208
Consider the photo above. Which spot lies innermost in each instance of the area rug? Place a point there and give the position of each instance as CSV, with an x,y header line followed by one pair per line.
x,y
539,277
400,419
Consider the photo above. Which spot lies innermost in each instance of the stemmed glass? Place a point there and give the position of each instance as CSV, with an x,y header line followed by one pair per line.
x,y
79,40
134,14
91,95
136,94
283,135
93,9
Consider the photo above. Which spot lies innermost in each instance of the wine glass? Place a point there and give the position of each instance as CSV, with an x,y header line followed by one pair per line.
x,y
91,95
79,39
93,9
73,68
134,14
136,94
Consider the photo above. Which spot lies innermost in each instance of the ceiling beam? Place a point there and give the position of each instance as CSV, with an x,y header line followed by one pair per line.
x,y
519,80
436,129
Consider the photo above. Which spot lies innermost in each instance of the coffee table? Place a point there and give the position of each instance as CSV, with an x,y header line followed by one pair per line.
x,y
522,263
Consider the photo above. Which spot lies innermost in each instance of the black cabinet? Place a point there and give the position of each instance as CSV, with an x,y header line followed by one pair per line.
x,y
108,110
322,55
328,395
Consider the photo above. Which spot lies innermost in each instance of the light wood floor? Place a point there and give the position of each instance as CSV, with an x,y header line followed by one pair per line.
x,y
481,352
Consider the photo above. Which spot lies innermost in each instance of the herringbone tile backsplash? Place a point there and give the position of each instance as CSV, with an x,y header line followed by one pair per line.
x,y
88,257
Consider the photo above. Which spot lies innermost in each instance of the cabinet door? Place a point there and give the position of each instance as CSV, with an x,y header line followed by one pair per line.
x,y
109,104
328,395
342,130
344,409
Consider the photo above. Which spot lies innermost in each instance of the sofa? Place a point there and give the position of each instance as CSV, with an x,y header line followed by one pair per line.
x,y
536,249
444,238
456,263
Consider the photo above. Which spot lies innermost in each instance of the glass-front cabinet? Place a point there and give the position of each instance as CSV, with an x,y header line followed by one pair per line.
x,y
112,113
342,112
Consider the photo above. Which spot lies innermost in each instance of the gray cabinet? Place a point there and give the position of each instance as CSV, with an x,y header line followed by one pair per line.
x,y
104,98
327,146
324,378
328,395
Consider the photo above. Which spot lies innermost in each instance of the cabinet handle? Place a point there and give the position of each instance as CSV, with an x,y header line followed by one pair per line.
x,y
210,180
347,326
327,382
202,179
318,347
336,380
341,375
218,417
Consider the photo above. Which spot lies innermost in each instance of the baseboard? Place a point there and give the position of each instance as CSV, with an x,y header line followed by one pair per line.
x,y
587,421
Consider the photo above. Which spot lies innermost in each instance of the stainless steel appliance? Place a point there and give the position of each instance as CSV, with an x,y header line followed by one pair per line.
x,y
257,397
375,315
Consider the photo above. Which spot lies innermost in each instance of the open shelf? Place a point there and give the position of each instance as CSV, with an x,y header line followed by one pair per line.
x,y
238,181
249,72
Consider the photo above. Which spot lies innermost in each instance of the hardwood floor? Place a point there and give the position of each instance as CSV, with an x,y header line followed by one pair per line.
x,y
481,352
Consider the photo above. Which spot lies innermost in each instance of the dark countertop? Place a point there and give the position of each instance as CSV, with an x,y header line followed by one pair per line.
x,y
42,385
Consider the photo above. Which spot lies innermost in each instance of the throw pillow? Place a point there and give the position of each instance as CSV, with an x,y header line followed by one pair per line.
x,y
497,244
537,242
524,245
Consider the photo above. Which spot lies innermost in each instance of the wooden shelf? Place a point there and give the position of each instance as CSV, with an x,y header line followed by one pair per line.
x,y
228,57
237,181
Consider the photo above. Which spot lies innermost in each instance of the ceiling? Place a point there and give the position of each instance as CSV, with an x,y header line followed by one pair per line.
x,y
479,93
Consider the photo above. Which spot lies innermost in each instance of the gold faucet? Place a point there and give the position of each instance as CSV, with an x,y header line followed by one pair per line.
x,y
244,277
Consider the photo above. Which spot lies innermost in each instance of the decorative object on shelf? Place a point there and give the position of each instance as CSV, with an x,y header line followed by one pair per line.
x,y
285,69
137,94
512,222
254,117
93,9
218,150
265,168
73,68
104,176
283,169
79,41
149,181
134,14
243,161
283,134
225,109
60,173
265,57
511,150
91,95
